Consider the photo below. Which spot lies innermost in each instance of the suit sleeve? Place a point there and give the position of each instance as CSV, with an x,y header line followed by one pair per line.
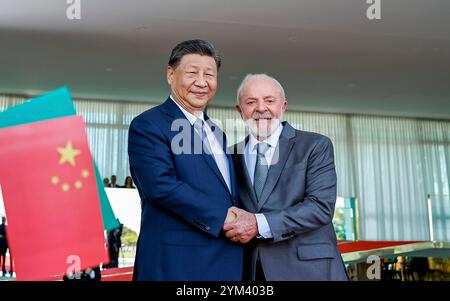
x,y
152,165
317,207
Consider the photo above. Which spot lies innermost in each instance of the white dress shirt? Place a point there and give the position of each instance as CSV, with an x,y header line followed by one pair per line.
x,y
216,147
250,162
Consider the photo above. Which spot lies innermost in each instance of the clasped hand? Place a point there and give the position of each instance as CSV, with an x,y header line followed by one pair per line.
x,y
240,225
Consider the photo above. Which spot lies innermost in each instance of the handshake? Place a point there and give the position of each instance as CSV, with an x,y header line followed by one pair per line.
x,y
240,225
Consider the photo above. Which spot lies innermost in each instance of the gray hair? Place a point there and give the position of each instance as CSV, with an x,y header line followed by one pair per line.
x,y
250,77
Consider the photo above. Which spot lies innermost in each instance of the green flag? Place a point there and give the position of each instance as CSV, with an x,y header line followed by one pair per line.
x,y
56,104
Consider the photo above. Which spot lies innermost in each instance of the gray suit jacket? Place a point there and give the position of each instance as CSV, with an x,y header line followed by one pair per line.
x,y
298,202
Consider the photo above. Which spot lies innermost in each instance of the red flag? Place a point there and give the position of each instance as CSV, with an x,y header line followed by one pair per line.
x,y
51,198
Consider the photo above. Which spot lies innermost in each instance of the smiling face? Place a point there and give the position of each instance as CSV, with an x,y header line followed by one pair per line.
x,y
262,106
193,82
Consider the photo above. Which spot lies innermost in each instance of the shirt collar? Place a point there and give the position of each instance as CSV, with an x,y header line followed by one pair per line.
x,y
272,140
191,117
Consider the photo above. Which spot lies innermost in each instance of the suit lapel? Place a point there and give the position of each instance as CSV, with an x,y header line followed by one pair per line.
x,y
232,179
240,160
220,136
279,159
174,111
211,163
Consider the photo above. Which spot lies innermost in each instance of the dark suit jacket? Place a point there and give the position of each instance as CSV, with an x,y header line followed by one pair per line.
x,y
298,201
184,204
3,240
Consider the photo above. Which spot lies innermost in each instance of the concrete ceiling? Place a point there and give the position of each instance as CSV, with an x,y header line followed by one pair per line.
x,y
326,53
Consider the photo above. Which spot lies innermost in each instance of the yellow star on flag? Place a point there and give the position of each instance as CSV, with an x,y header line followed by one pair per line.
x,y
68,153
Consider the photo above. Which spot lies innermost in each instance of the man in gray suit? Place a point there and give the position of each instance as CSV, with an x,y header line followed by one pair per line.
x,y
287,185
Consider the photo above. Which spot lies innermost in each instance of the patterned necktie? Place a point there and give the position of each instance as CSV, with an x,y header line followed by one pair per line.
x,y
220,158
199,127
261,168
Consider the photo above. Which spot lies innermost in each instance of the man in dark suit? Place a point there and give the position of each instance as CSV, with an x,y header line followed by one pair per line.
x,y
185,179
114,244
287,178
113,183
3,245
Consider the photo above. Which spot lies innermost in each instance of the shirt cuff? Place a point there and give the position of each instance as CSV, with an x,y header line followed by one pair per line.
x,y
263,226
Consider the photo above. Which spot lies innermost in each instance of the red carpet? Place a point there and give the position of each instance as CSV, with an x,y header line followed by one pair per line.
x,y
362,245
118,274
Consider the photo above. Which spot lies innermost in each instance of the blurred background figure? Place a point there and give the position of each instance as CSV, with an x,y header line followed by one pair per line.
x,y
114,245
3,247
421,266
113,181
106,182
128,183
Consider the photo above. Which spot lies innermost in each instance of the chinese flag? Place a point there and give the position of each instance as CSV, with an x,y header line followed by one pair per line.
x,y
51,198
